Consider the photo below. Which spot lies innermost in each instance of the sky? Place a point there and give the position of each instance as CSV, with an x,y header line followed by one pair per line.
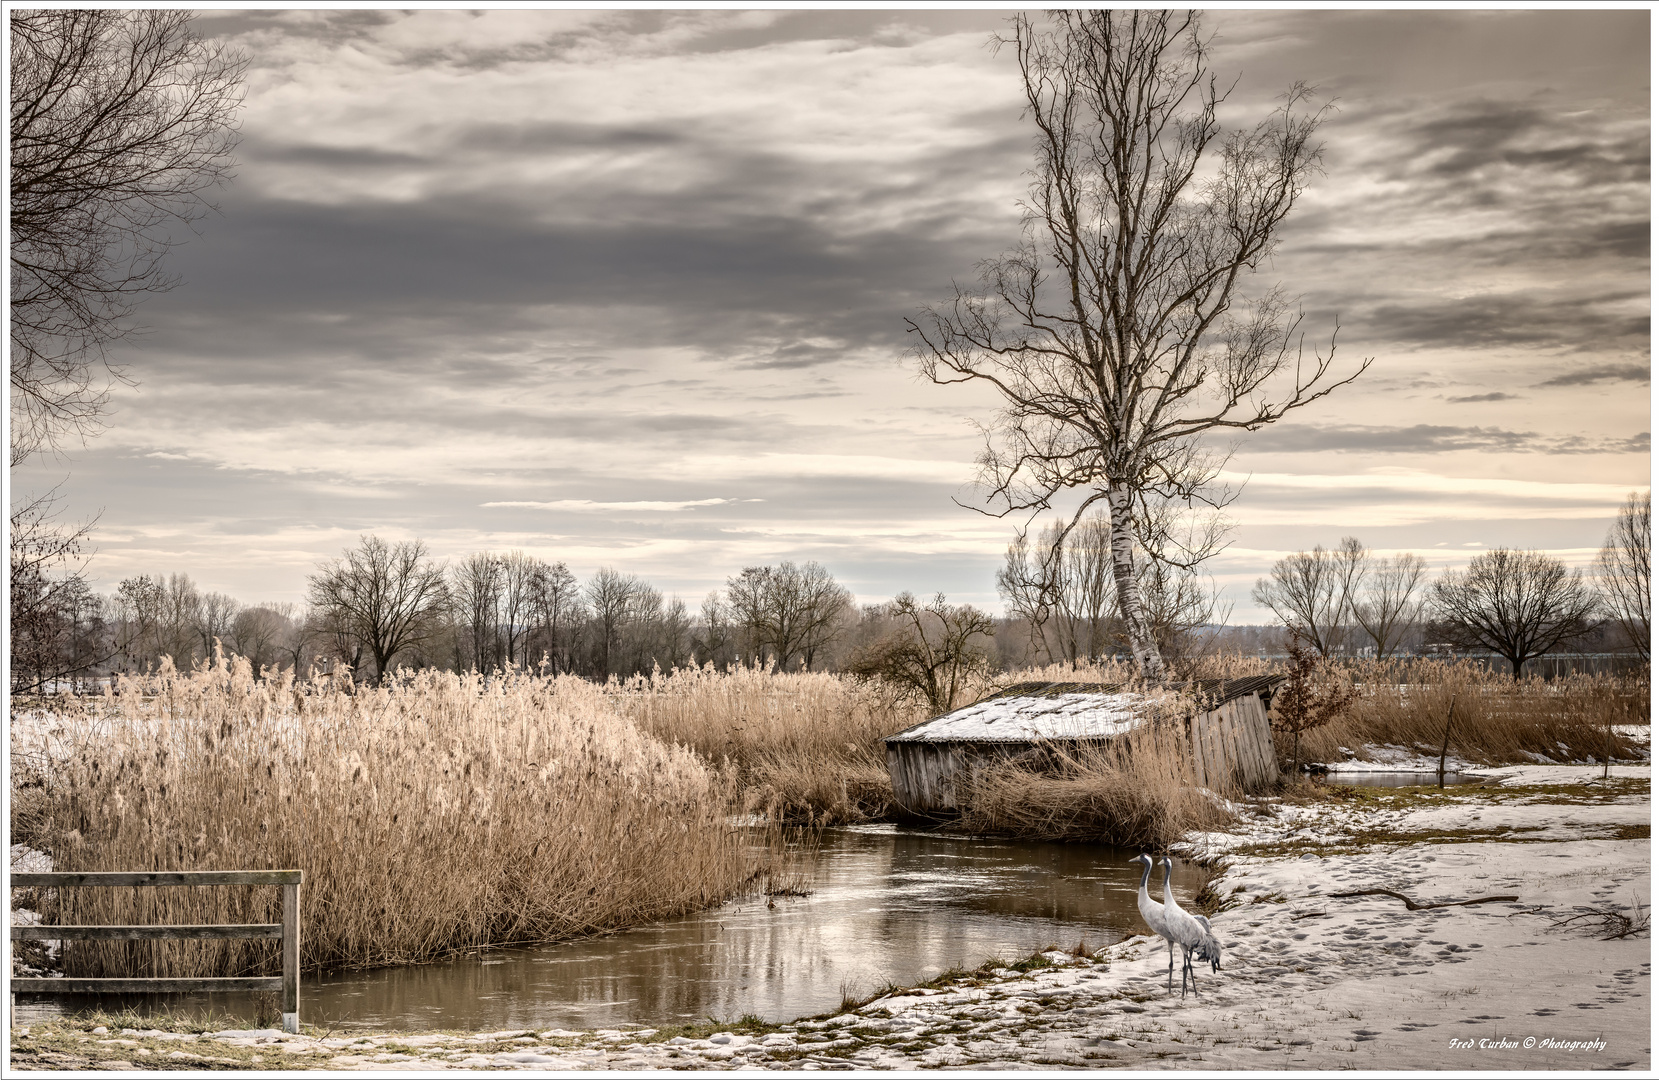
x,y
629,289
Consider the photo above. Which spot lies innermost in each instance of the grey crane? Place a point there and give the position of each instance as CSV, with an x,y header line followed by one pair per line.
x,y
1154,914
1191,932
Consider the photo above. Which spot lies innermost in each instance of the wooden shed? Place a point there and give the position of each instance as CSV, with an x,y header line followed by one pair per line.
x,y
933,764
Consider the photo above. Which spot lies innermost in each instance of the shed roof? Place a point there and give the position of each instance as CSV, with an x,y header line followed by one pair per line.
x,y
1026,712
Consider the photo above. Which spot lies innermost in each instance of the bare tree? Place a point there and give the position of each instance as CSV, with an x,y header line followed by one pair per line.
x,y
1625,567
932,651
258,633
1519,604
120,121
1310,593
57,624
518,572
381,599
786,611
215,617
555,603
138,613
475,587
715,638
611,595
1386,600
181,614
1117,332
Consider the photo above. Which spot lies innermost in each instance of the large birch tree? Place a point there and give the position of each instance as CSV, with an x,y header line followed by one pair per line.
x,y
1118,331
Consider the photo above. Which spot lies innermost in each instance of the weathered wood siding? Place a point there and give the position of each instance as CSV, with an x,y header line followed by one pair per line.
x,y
936,777
1231,743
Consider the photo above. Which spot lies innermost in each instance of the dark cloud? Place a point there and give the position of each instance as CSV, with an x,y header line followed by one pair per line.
x,y
1496,395
1637,373
1524,319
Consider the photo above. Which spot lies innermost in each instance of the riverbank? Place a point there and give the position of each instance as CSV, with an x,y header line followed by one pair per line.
x,y
1309,979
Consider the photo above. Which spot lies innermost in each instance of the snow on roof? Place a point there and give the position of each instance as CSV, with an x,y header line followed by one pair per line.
x,y
1026,712
1026,717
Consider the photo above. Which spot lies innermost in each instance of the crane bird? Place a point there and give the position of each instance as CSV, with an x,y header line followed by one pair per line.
x,y
1154,915
1191,931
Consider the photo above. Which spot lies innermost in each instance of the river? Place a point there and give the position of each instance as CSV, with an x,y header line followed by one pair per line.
x,y
885,905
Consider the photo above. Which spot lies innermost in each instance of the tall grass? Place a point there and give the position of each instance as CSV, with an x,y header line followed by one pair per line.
x,y
808,745
1498,720
436,813
1136,791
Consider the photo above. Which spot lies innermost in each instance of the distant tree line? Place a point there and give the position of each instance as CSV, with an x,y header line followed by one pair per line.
x,y
388,605
1518,605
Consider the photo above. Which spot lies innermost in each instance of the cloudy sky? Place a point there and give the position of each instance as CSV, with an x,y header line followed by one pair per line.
x,y
628,288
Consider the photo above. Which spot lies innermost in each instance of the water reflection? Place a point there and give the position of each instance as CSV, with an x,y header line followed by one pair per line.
x,y
887,905
1396,779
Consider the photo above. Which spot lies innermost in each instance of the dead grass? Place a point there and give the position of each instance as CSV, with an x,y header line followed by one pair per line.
x,y
1135,792
807,745
437,813
1498,720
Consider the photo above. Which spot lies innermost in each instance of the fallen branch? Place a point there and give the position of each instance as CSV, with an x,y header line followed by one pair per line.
x,y
1412,905
1614,924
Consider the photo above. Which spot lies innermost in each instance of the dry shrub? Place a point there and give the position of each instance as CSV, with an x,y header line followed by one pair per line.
x,y
437,813
808,744
1136,791
1498,720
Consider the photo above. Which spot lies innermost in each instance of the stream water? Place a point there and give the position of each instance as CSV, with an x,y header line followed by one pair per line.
x,y
885,905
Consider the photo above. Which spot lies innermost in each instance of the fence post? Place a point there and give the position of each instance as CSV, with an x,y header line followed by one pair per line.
x,y
291,958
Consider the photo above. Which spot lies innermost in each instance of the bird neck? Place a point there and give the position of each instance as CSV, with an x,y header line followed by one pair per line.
x,y
1146,874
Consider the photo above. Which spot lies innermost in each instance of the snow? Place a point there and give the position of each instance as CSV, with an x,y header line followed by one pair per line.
x,y
1515,775
1398,759
1025,718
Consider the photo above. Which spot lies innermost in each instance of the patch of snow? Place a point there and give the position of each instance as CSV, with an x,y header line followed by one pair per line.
x,y
1516,775
1023,719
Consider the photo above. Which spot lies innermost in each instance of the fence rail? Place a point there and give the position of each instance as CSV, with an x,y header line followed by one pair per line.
x,y
287,931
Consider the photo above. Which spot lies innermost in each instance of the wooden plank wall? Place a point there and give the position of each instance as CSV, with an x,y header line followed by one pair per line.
x,y
1233,742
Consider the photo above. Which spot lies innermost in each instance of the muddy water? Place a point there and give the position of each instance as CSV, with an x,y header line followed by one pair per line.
x,y
885,905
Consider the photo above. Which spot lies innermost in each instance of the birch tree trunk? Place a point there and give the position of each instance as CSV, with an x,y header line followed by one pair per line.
x,y
1131,607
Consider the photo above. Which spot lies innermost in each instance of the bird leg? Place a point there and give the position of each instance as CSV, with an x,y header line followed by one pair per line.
x,y
1169,984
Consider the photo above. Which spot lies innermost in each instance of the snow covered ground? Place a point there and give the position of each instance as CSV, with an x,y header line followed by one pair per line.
x,y
1310,978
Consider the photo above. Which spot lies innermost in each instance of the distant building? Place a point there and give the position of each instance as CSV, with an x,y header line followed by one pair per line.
x,y
933,763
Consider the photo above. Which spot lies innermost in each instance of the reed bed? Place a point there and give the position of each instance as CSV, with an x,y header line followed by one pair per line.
x,y
805,745
1109,670
437,813
1135,791
1498,720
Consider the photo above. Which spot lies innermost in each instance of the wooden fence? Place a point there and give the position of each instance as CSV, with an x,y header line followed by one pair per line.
x,y
287,931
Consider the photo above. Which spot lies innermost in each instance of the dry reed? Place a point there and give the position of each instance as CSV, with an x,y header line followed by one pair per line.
x,y
436,813
1498,720
1136,791
807,745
